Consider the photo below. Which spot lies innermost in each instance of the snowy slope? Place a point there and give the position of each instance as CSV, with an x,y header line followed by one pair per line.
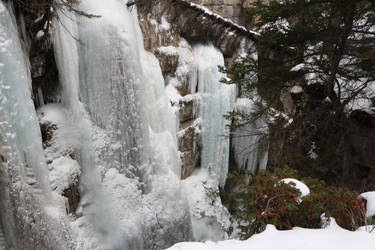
x,y
332,238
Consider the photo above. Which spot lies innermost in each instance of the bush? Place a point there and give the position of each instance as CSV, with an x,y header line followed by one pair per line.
x,y
268,201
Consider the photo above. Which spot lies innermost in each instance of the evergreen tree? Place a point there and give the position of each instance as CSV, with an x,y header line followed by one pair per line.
x,y
321,53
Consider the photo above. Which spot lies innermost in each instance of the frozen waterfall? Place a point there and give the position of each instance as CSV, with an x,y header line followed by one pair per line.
x,y
113,140
19,123
217,100
125,128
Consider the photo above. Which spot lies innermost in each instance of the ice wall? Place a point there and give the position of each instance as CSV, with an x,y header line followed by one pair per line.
x,y
126,130
19,122
217,100
30,215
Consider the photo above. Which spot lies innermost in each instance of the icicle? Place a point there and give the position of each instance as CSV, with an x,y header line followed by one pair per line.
x,y
250,146
217,100
20,123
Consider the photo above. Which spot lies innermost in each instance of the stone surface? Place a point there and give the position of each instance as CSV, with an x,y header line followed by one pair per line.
x,y
190,146
73,195
187,110
166,25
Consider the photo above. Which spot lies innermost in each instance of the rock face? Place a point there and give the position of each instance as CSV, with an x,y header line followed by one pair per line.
x,y
169,32
235,10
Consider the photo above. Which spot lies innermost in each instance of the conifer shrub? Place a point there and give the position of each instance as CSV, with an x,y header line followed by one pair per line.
x,y
266,200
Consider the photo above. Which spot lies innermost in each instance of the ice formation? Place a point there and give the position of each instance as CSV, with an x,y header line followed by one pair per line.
x,y
114,133
126,129
210,219
27,207
249,143
217,100
19,122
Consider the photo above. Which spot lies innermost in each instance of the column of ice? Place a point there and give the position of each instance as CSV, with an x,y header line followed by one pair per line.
x,y
19,122
249,142
217,100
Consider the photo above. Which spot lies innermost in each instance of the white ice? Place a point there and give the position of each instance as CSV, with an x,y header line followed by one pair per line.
x,y
18,117
217,100
250,146
127,145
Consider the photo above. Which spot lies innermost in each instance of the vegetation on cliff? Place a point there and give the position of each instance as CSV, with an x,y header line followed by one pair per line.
x,y
316,64
315,75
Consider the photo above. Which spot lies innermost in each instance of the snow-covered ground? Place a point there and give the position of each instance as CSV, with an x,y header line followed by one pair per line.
x,y
330,238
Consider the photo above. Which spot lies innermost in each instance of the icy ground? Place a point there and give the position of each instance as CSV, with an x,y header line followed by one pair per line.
x,y
331,238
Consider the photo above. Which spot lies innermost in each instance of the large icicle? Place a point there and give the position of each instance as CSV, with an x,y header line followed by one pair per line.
x,y
27,217
217,100
249,143
20,124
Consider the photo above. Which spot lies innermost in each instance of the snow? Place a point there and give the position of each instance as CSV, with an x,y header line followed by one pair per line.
x,y
298,67
209,12
312,152
280,24
370,198
210,219
302,187
168,50
64,172
330,238
367,228
296,89
40,34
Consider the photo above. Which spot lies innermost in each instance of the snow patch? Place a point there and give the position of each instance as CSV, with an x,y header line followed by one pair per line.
x,y
370,198
302,187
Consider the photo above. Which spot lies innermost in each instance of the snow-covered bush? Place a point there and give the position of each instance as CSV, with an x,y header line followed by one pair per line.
x,y
268,200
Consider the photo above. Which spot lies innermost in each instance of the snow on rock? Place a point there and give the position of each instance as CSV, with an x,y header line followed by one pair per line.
x,y
61,128
296,89
63,173
210,219
226,20
298,67
370,198
297,238
298,185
